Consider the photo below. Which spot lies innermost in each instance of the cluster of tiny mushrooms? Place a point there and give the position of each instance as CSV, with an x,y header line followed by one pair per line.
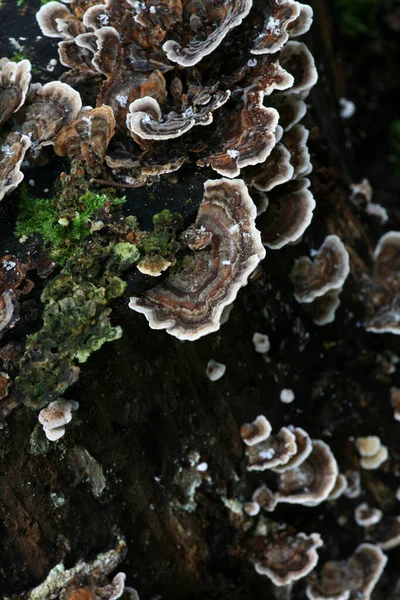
x,y
166,95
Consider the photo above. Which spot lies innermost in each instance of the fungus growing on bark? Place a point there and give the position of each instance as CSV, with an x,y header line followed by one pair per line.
x,y
339,488
190,51
215,370
365,515
353,489
88,136
5,384
303,450
287,558
274,451
354,578
261,343
14,84
9,311
250,138
386,533
145,118
327,271
12,153
189,303
289,213
257,431
372,453
385,295
311,482
47,109
55,416
153,265
274,33
56,21
286,396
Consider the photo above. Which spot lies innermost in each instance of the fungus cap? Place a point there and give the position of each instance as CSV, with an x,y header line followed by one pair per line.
x,y
289,558
327,271
189,303
257,431
274,451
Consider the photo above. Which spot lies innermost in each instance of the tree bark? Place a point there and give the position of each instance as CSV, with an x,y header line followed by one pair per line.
x,y
146,406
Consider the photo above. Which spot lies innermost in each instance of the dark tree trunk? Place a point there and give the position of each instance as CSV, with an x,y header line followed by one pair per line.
x,y
146,404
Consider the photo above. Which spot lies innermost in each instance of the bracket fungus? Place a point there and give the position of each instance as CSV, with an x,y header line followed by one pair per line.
x,y
384,294
55,416
372,452
274,451
327,271
12,153
287,558
229,16
189,303
14,85
365,515
351,579
257,431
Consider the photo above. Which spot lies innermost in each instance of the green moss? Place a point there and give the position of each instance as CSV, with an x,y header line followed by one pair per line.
x,y
63,232
162,240
76,322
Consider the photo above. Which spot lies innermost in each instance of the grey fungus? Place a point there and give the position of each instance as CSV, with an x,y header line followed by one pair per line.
x,y
232,14
9,311
15,79
353,489
339,488
145,118
56,21
274,34
311,482
55,416
289,213
365,515
12,153
249,140
189,303
47,109
386,533
261,343
257,431
274,451
327,271
351,579
287,558
384,294
215,370
303,450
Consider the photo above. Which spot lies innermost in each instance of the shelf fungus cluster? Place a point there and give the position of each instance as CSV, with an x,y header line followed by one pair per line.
x,y
318,282
305,470
384,294
152,86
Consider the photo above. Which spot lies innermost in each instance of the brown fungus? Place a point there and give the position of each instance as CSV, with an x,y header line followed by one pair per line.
x,y
327,271
14,84
9,310
146,121
231,15
12,153
339,488
303,450
311,482
47,109
88,136
351,579
386,533
274,451
274,34
287,558
250,138
289,213
257,431
189,303
385,295
365,515
56,21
